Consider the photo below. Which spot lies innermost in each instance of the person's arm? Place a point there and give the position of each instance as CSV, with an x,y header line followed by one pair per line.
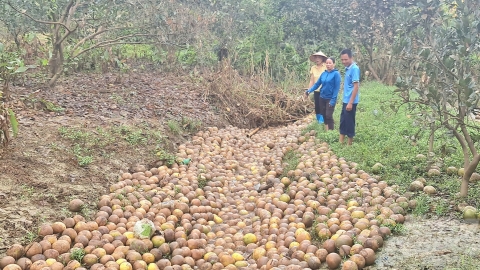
x,y
356,82
336,89
354,93
315,86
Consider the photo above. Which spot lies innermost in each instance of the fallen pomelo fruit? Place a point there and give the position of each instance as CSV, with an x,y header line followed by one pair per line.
x,y
469,213
237,256
285,198
249,238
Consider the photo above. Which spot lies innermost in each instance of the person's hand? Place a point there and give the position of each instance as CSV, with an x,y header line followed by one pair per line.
x,y
306,94
349,107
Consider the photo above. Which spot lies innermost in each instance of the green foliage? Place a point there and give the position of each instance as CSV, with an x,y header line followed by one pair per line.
x,y
87,211
313,126
185,125
88,26
451,185
82,155
118,57
11,65
274,37
398,229
439,44
202,181
132,135
50,106
191,125
13,122
30,237
140,52
166,157
174,127
441,207
383,136
77,254
187,57
423,205
290,161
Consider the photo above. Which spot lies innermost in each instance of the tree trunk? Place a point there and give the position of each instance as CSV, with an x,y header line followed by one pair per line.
x,y
6,91
469,170
389,72
53,79
53,62
17,41
57,60
374,74
431,139
56,65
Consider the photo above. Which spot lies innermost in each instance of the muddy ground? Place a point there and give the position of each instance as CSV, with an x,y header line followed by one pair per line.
x,y
40,171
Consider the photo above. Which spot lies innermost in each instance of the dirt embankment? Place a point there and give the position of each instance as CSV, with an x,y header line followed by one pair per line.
x,y
108,123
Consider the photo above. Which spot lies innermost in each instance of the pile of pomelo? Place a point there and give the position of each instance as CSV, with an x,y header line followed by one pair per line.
x,y
211,214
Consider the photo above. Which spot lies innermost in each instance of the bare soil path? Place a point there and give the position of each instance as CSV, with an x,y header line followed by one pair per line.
x,y
428,244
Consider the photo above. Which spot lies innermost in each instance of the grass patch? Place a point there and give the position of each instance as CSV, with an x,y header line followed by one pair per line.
x,y
290,162
202,180
87,211
315,126
398,229
50,106
30,237
185,125
465,262
191,125
87,145
423,205
117,99
77,254
394,139
174,127
441,207
167,157
316,239
26,191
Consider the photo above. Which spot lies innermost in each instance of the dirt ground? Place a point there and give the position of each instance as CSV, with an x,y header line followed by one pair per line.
x,y
428,244
40,174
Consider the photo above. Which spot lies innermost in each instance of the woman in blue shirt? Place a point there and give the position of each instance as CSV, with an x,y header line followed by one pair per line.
x,y
330,82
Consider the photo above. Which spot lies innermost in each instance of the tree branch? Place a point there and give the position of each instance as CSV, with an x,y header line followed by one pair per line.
x,y
67,11
112,42
475,161
66,35
462,142
35,20
468,139
96,34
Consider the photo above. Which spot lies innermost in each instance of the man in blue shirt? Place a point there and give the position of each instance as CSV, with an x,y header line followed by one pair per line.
x,y
351,96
